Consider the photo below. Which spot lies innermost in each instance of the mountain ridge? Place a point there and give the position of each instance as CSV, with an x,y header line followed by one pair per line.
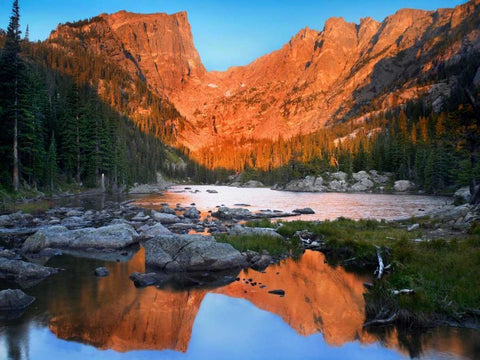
x,y
316,79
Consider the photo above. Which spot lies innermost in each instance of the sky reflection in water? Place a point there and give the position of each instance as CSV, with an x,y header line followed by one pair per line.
x,y
224,328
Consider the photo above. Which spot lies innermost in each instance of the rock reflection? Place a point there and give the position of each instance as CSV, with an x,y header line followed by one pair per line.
x,y
318,298
118,316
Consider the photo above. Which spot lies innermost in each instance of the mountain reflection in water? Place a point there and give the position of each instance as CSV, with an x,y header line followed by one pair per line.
x,y
320,316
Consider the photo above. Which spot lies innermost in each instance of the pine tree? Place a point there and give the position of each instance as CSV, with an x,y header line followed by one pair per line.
x,y
52,163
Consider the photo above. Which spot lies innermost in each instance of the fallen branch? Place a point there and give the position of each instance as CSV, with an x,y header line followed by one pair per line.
x,y
381,267
403,291
388,320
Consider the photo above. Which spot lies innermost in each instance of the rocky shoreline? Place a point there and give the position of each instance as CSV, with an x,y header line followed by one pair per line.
x,y
180,246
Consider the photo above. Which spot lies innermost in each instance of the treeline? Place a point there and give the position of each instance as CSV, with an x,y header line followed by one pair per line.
x,y
434,150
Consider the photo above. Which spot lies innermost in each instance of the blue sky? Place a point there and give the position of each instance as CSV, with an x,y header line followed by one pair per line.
x,y
226,32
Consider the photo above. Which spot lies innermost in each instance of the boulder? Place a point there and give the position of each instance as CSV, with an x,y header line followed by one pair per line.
x,y
14,300
242,230
5,220
192,213
338,185
22,272
165,218
339,175
75,222
167,210
463,194
211,191
226,213
179,253
305,211
252,184
110,237
363,184
402,185
140,217
308,184
379,178
358,176
262,262
151,231
102,271
143,280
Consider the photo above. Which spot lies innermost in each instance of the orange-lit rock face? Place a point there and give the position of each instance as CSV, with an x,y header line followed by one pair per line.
x,y
128,318
318,298
318,77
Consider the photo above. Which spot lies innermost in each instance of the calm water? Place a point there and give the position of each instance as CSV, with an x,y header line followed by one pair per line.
x,y
325,205
79,316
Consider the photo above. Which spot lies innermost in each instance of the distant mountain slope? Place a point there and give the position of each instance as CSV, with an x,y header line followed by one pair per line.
x,y
318,78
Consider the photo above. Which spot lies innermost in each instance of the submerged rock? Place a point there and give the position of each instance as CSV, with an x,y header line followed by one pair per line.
x,y
22,272
14,300
178,253
279,292
304,211
102,272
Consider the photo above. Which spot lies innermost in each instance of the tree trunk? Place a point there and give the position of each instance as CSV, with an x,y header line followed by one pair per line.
x,y
16,181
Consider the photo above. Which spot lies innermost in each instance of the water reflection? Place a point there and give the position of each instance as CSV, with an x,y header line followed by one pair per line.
x,y
320,316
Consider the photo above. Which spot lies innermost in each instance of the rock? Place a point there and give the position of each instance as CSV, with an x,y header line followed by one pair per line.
x,y
102,272
75,222
143,280
167,210
165,218
141,217
305,211
192,213
363,184
402,185
476,79
5,220
262,263
252,184
226,213
378,178
360,175
155,230
178,253
22,272
338,185
309,184
339,175
243,230
182,227
210,191
450,213
74,212
147,189
9,254
59,237
463,194
279,292
14,300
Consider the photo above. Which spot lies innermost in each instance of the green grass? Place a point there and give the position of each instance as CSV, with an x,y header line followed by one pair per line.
x,y
274,245
263,223
443,272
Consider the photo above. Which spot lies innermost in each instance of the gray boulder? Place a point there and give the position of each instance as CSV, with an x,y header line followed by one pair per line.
x,y
252,184
378,178
192,213
402,185
358,176
59,237
75,222
14,300
305,211
140,217
242,230
338,185
363,184
308,184
167,210
226,213
102,271
22,272
463,194
339,175
149,232
179,253
165,218
5,220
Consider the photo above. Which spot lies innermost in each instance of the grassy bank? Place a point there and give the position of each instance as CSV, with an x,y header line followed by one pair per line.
x,y
442,272
274,245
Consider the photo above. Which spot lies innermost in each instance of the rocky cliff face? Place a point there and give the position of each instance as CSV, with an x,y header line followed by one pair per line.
x,y
316,79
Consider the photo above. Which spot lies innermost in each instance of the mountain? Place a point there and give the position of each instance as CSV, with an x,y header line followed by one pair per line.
x,y
317,79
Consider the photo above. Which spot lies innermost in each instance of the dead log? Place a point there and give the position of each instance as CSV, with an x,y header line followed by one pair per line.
x,y
403,292
381,266
377,321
